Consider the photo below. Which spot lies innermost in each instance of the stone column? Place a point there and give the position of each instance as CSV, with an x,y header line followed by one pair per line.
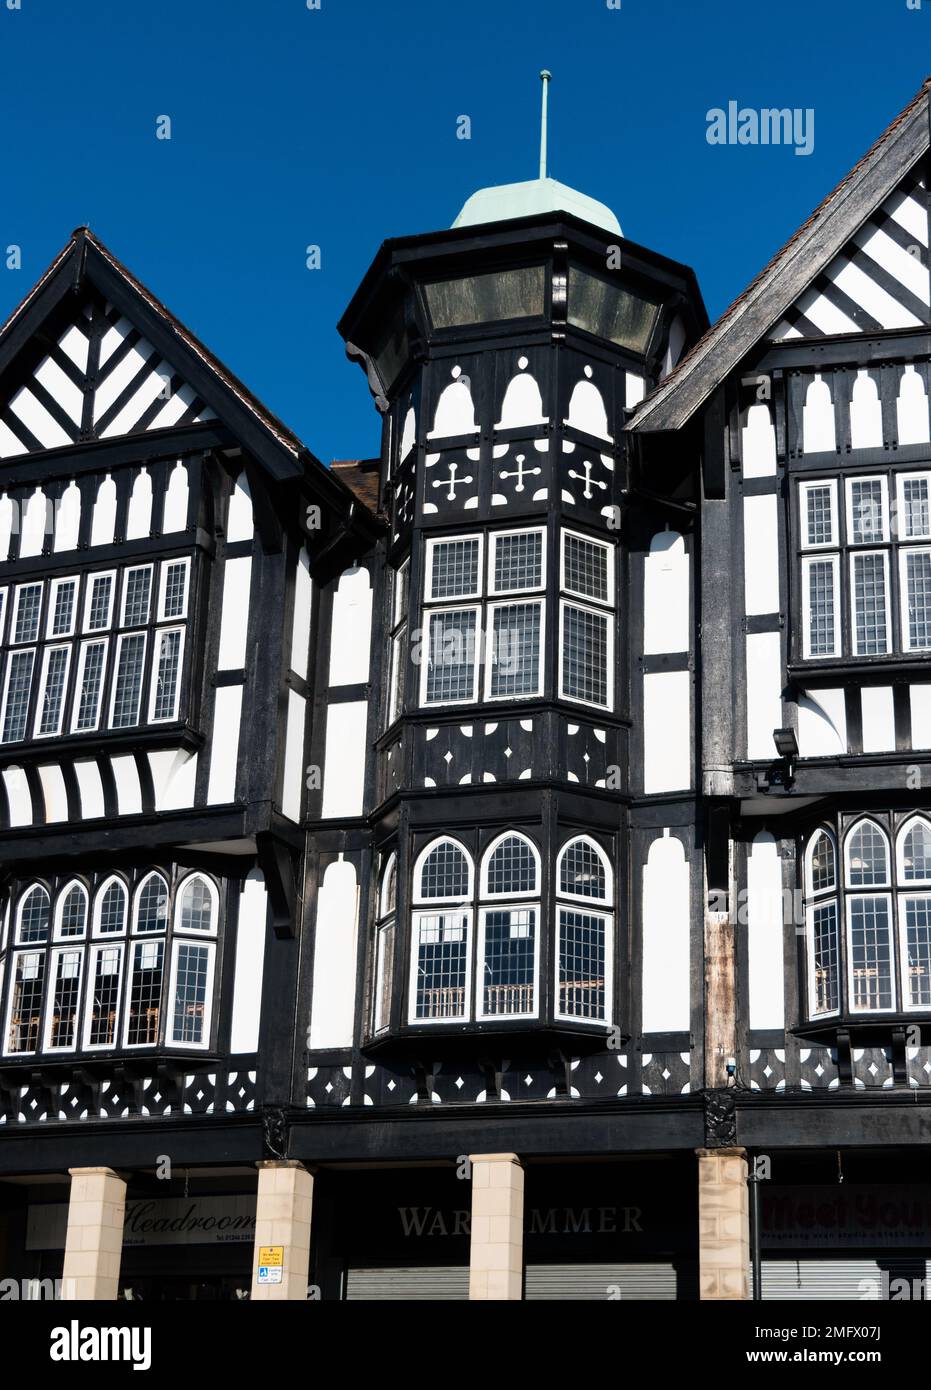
x,y
496,1257
94,1244
723,1224
282,1224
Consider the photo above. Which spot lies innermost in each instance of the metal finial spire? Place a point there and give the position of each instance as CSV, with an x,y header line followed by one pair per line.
x,y
546,78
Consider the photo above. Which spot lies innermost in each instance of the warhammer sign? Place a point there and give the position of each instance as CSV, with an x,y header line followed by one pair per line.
x,y
422,1222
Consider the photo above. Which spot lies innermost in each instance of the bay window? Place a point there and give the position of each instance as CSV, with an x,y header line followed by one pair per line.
x,y
584,932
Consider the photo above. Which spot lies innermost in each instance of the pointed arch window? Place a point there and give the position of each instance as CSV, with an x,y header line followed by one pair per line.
x,y
823,926
509,935
71,913
110,908
585,932
441,955
914,910
870,962
151,907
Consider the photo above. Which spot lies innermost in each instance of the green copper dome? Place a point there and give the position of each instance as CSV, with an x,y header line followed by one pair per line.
x,y
509,200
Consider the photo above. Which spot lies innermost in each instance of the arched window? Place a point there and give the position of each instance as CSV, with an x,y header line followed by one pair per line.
x,y
33,916
509,953
192,964
443,873
71,913
867,856
441,955
915,851
823,925
197,905
151,909
384,945
28,969
870,962
585,935
110,908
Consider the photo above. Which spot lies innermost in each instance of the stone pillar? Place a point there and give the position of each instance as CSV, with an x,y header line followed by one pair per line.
x,y
94,1244
723,1224
282,1230
496,1257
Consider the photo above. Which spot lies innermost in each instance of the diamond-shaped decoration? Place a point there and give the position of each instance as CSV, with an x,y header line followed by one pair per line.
x,y
459,1083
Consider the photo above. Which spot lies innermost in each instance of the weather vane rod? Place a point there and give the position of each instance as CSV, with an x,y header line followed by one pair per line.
x,y
546,78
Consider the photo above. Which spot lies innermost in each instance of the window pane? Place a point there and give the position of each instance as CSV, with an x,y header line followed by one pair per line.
x,y
819,515
145,992
18,691
822,578
66,993
90,685
508,966
128,681
112,917
870,953
518,561
581,964
442,944
869,605
34,917
167,671
512,868
55,678
189,1004
916,852
28,607
582,872
445,873
402,580
137,596
823,865
61,621
918,597
918,949
515,650
152,905
454,568
396,690
26,1003
868,856
384,965
73,918
825,955
196,907
174,598
502,294
585,567
916,513
451,659
99,602
585,655
867,519
105,995
609,311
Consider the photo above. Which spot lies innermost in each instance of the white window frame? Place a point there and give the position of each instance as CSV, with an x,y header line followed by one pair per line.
x,y
153,873
904,552
401,593
131,944
436,908
132,635
118,944
607,902
488,644
455,600
96,933
77,946
92,579
27,893
831,898
456,899
608,615
803,491
384,950
83,646
849,899
166,565
35,950
426,649
134,569
594,909
858,553
868,888
160,634
11,655
204,943
54,588
508,905
66,647
63,893
493,538
902,926
898,531
18,595
911,884
526,894
883,481
587,599
195,933
833,559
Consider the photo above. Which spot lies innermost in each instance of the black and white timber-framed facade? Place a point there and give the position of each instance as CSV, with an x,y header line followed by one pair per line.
x,y
543,807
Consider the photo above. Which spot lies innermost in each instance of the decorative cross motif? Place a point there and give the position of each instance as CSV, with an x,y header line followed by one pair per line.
x,y
519,473
452,482
587,478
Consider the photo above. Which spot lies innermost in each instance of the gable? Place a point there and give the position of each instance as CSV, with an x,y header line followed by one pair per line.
x,y
101,378
880,279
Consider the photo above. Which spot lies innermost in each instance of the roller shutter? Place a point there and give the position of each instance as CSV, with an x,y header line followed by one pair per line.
x,y
628,1282
840,1279
430,1282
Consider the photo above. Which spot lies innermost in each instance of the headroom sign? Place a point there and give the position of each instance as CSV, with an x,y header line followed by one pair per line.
x,y
165,1221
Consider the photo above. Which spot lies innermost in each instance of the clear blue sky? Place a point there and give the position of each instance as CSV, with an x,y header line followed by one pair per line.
x,y
337,127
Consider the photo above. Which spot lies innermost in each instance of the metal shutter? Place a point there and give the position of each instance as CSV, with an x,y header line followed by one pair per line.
x,y
600,1282
431,1282
835,1279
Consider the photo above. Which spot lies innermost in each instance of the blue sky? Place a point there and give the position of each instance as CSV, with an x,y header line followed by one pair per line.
x,y
337,127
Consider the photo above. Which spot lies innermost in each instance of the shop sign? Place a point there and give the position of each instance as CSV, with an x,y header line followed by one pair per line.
x,y
845,1216
161,1221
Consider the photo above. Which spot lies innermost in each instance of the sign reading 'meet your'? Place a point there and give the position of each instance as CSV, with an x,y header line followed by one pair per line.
x,y
166,1221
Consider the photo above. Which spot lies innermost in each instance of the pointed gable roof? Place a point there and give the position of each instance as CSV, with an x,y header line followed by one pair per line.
x,y
773,297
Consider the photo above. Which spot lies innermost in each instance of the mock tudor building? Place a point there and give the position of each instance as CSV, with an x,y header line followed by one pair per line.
x,y
449,874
